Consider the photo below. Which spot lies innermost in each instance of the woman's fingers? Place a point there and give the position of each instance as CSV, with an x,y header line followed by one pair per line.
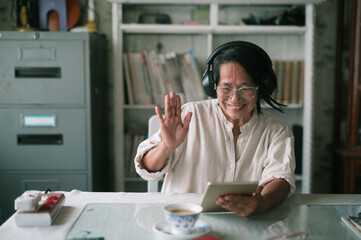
x,y
159,114
167,112
187,120
178,106
173,103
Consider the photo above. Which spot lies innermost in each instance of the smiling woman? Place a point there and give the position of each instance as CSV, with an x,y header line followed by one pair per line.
x,y
226,139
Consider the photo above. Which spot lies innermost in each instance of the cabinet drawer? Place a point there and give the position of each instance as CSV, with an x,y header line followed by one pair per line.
x,y
42,139
42,72
30,181
13,185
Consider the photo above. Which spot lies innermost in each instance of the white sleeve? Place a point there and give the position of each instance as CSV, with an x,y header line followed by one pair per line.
x,y
143,148
280,161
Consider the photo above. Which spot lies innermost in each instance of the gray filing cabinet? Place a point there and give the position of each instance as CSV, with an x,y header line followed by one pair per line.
x,y
52,132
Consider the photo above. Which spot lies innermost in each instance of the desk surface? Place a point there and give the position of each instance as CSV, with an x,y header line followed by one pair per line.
x,y
302,212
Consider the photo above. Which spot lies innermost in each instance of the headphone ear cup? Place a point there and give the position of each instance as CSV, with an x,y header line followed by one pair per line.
x,y
208,84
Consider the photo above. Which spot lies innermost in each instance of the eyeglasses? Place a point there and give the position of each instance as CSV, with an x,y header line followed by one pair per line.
x,y
245,92
289,236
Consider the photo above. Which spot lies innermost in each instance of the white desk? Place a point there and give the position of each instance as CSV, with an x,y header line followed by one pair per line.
x,y
273,222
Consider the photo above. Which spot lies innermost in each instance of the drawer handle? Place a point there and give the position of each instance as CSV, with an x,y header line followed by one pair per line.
x,y
37,72
40,139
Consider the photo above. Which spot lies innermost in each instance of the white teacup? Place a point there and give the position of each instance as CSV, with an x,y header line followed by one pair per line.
x,y
182,217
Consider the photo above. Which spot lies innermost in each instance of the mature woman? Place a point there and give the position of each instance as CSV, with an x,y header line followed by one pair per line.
x,y
226,139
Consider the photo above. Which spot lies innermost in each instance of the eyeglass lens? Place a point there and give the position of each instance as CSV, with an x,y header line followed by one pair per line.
x,y
246,92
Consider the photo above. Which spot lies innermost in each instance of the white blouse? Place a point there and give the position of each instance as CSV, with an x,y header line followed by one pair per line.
x,y
265,151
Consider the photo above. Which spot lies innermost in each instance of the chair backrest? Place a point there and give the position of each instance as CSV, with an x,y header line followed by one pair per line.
x,y
153,126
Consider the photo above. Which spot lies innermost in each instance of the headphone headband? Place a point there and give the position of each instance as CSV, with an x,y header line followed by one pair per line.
x,y
239,44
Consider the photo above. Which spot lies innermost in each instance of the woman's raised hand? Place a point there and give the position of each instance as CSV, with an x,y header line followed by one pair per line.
x,y
173,133
172,129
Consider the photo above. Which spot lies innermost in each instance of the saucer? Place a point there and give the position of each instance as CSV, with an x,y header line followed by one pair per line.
x,y
200,228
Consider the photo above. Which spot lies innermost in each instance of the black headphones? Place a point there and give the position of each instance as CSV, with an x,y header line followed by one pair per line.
x,y
268,82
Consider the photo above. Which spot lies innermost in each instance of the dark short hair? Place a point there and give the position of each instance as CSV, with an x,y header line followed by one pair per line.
x,y
256,66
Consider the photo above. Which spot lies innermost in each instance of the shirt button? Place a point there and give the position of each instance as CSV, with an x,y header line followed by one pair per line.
x,y
231,166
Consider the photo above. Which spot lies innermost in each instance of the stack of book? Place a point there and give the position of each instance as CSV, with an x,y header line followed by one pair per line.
x,y
150,75
290,80
46,211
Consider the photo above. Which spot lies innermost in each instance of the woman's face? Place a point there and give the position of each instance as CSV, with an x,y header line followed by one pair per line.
x,y
237,107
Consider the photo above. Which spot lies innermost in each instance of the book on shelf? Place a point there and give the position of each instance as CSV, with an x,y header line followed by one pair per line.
x,y
128,80
131,143
302,81
275,67
157,77
196,80
140,84
277,93
186,79
280,77
287,82
290,80
190,78
146,77
127,152
149,76
295,82
172,73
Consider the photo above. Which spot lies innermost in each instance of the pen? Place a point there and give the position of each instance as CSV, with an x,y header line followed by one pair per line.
x,y
350,225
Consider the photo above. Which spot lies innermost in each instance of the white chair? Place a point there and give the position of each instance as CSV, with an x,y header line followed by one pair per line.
x,y
153,126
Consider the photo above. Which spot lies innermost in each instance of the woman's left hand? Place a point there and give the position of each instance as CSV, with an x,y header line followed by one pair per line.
x,y
263,199
242,205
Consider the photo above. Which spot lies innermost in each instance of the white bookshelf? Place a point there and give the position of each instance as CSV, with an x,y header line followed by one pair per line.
x,y
281,42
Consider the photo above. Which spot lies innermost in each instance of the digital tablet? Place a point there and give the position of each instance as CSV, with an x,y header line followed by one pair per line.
x,y
215,189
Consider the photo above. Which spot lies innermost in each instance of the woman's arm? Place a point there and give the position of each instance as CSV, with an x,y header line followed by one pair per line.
x,y
173,133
